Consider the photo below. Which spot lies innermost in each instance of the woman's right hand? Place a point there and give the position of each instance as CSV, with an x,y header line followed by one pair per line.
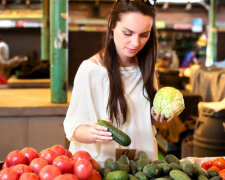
x,y
100,133
92,134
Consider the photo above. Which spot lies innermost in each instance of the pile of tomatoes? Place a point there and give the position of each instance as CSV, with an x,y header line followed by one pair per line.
x,y
217,164
54,163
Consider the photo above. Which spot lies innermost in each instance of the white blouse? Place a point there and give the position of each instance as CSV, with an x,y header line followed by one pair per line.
x,y
88,105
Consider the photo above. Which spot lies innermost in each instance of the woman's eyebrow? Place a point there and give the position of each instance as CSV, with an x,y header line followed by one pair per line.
x,y
133,31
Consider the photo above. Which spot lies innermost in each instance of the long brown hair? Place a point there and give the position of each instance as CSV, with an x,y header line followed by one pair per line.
x,y
117,105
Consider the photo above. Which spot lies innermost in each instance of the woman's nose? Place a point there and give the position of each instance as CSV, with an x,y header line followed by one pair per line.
x,y
135,41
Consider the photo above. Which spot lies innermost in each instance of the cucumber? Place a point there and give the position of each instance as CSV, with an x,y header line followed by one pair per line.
x,y
163,178
216,178
170,158
159,161
118,136
141,176
200,170
202,177
179,175
165,168
142,160
123,167
117,175
212,173
111,164
133,167
123,160
152,170
188,168
174,166
131,177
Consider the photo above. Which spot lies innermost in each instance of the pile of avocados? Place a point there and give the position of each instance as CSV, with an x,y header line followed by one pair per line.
x,y
142,169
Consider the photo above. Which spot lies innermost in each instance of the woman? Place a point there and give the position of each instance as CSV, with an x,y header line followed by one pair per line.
x,y
117,85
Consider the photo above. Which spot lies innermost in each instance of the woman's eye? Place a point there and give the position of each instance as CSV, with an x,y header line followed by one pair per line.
x,y
127,33
144,35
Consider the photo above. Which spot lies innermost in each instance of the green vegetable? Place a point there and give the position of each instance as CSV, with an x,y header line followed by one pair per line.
x,y
141,176
175,166
159,161
168,101
124,167
170,158
131,177
202,177
119,136
111,164
117,175
188,168
179,175
152,170
216,178
200,170
212,173
123,160
165,168
133,167
142,160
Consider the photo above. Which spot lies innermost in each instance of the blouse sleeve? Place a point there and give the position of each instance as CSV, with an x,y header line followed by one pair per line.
x,y
81,110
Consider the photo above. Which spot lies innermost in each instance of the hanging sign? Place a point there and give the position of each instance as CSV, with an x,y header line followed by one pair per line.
x,y
21,14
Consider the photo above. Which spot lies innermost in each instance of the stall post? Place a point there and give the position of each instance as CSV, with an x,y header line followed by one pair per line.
x,y
45,31
211,47
59,50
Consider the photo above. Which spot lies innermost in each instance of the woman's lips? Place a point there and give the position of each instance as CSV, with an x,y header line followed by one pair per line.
x,y
132,50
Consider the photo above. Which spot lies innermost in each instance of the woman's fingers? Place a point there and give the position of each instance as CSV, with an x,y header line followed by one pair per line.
x,y
168,120
101,133
108,120
162,117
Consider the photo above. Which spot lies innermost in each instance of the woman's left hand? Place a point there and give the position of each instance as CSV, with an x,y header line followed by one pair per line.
x,y
159,117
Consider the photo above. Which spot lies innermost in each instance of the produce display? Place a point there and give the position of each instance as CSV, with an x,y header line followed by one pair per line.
x,y
119,136
143,169
217,164
54,163
168,101
57,163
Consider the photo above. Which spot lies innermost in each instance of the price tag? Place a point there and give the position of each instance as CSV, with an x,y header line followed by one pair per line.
x,y
130,153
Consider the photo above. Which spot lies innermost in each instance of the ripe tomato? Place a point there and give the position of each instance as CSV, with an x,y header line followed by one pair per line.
x,y
48,154
30,153
21,168
69,154
95,164
214,168
49,172
4,165
95,175
59,149
207,164
73,176
66,177
15,157
29,176
219,162
83,169
222,174
37,164
81,155
64,163
8,174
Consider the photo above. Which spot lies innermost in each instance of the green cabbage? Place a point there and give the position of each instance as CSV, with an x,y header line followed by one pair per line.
x,y
168,101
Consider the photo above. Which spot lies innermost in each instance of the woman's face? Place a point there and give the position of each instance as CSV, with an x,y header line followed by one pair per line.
x,y
131,33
